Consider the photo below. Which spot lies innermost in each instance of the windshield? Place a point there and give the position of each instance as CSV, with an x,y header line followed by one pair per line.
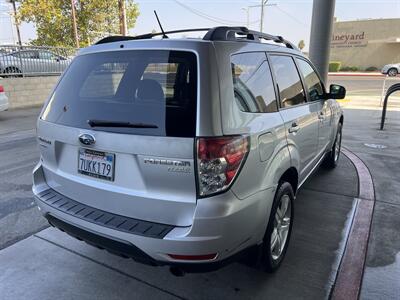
x,y
157,87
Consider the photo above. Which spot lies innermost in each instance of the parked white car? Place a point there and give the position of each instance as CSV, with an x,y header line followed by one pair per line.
x,y
391,70
3,98
32,62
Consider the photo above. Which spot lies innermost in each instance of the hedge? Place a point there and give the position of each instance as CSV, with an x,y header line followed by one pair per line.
x,y
334,66
371,69
349,69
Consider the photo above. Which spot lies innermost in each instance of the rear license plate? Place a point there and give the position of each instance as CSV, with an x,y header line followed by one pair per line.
x,y
96,164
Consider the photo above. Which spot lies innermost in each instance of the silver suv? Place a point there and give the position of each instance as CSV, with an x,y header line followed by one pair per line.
x,y
185,152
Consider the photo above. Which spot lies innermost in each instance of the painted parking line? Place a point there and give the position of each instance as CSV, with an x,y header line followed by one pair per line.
x,y
349,277
343,100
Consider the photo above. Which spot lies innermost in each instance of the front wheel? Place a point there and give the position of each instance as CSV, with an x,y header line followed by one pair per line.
x,y
277,235
393,72
332,157
12,72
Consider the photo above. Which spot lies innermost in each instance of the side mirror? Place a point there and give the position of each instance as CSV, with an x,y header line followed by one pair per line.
x,y
336,92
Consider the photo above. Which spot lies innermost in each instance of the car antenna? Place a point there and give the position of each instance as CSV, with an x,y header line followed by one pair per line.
x,y
159,23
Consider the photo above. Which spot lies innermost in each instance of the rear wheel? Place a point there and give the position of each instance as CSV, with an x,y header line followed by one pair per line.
x,y
277,235
392,72
332,158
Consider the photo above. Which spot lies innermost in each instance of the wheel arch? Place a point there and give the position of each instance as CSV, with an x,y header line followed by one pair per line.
x,y
291,176
10,67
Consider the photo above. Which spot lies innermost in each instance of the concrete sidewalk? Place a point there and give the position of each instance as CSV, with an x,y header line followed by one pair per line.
x,y
52,265
380,151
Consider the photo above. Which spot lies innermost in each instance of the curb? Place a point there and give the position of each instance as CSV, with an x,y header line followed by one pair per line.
x,y
350,273
333,74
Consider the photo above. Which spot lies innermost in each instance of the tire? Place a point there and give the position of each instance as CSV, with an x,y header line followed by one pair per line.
x,y
392,72
332,157
277,236
13,71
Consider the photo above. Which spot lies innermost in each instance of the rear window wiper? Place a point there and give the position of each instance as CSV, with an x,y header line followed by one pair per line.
x,y
104,123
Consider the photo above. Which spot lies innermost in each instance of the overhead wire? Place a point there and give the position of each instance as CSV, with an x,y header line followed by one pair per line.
x,y
211,18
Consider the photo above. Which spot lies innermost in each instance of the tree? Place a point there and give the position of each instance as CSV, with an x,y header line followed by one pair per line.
x,y
95,19
301,45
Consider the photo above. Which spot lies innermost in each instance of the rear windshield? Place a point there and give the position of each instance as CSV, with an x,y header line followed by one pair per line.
x,y
153,90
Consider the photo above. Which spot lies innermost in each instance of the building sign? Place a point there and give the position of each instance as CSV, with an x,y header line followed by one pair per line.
x,y
349,40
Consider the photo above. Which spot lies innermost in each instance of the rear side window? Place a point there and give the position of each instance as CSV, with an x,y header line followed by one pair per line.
x,y
288,80
157,88
252,83
311,79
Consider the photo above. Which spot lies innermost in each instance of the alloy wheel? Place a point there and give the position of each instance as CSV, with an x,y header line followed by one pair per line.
x,y
280,232
338,145
392,72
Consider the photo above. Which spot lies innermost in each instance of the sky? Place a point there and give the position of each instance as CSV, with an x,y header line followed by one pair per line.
x,y
289,18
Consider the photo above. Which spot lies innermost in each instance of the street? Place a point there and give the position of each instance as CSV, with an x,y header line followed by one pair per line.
x,y
363,85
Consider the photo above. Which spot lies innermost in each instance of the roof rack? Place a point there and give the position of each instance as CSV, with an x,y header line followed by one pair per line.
x,y
225,33
221,33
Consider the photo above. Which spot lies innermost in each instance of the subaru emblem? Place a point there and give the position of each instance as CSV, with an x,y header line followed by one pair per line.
x,y
87,139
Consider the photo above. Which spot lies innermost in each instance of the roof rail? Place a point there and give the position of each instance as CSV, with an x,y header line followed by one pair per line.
x,y
117,38
225,33
221,33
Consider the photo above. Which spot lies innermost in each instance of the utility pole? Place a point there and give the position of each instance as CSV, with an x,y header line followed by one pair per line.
x,y
122,18
247,10
74,23
263,5
16,21
263,2
321,35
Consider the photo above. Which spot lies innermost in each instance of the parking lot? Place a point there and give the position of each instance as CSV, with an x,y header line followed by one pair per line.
x,y
51,264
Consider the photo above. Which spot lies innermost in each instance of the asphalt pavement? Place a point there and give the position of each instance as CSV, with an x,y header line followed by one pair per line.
x,y
363,85
19,217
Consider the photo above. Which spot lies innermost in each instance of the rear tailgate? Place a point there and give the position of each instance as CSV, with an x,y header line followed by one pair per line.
x,y
138,160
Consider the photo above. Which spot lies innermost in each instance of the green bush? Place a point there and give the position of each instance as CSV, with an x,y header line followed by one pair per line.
x,y
349,69
334,66
371,69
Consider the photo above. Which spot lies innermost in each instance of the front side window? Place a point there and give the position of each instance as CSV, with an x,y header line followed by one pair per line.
x,y
311,79
288,80
252,83
46,55
157,88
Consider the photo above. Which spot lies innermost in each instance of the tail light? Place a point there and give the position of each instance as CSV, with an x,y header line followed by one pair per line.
x,y
219,160
1,89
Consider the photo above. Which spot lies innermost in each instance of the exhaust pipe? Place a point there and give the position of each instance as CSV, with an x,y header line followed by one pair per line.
x,y
178,272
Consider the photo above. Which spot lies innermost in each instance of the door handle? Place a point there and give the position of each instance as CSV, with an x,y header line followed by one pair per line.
x,y
321,116
294,128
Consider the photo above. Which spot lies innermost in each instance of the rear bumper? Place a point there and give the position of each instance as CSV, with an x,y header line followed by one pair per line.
x,y
127,250
222,224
